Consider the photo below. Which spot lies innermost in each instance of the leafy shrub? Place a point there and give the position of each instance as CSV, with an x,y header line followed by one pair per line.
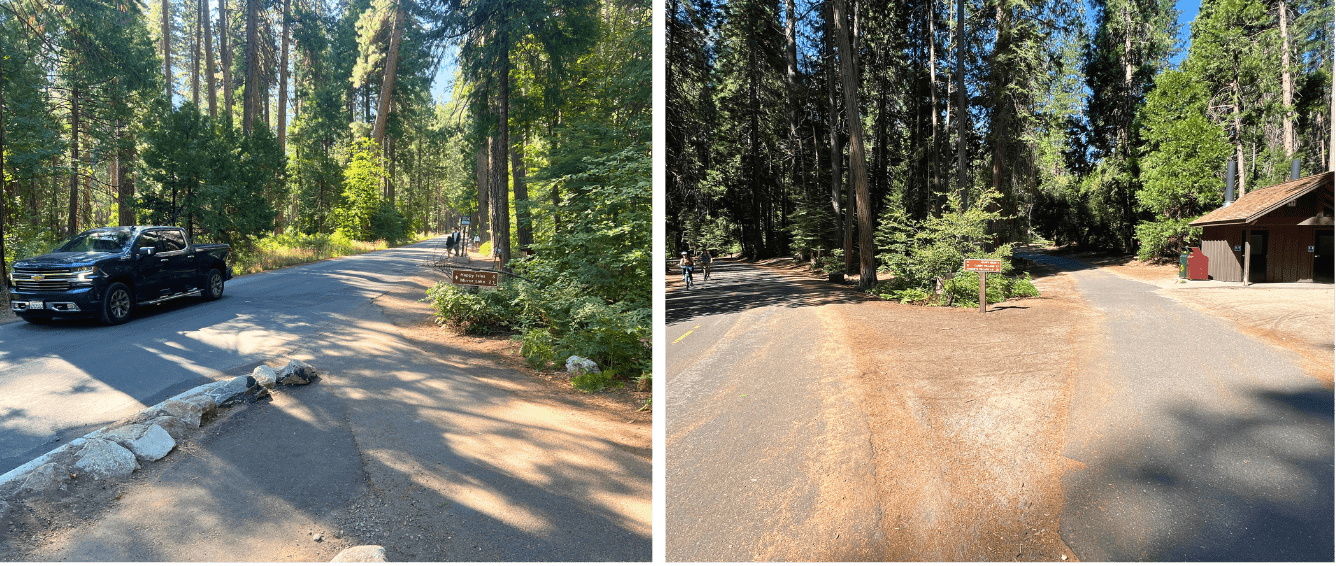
x,y
485,312
917,252
595,381
964,290
1165,238
831,264
536,346
485,249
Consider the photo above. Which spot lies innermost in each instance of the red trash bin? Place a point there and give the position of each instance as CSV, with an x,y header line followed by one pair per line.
x,y
1198,265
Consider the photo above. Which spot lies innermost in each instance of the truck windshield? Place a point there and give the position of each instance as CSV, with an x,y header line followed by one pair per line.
x,y
101,240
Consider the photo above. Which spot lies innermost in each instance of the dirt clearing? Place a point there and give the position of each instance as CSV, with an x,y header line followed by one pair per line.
x,y
966,415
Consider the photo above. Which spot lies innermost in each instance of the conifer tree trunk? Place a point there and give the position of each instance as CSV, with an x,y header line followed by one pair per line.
x,y
500,172
283,85
962,107
251,99
857,161
167,48
523,222
74,163
387,85
195,53
1286,82
836,159
224,33
483,172
209,66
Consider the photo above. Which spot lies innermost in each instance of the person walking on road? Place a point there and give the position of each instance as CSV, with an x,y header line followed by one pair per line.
x,y
687,266
457,240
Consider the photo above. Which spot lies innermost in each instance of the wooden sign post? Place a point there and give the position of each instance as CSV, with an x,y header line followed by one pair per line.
x,y
984,267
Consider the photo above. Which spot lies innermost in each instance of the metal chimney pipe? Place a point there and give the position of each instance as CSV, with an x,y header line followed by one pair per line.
x,y
1294,169
1230,173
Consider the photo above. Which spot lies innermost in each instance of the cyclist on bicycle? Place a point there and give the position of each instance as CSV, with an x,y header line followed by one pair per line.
x,y
687,266
705,263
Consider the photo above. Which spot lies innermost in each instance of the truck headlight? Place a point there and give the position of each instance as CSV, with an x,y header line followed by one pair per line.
x,y
84,275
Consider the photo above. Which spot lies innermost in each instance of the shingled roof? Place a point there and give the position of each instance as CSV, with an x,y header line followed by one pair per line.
x,y
1260,202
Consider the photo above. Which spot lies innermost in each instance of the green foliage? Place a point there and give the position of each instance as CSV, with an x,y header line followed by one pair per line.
x,y
484,312
917,253
1166,237
1182,152
485,249
537,348
211,177
595,381
963,291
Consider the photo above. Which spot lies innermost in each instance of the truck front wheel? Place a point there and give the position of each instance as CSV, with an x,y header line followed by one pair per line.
x,y
213,285
118,304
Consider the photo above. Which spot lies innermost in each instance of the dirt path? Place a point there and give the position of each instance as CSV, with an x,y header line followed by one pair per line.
x,y
967,413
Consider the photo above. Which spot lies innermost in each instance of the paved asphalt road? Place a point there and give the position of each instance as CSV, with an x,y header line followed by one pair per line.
x,y
434,452
768,458
61,380
1192,441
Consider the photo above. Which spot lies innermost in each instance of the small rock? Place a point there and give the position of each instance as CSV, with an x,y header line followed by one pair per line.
x,y
576,366
152,445
232,390
1064,557
318,537
106,459
177,428
188,412
265,376
367,553
45,479
296,372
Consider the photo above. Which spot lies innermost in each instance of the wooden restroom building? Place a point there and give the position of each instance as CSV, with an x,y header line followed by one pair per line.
x,y
1282,233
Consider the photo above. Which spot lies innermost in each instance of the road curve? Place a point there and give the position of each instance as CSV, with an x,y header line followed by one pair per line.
x,y
63,379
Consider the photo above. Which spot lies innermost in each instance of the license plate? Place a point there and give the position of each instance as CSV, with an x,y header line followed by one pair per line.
x,y
35,305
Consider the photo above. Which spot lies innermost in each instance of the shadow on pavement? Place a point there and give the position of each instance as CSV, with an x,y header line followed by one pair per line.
x,y
1216,487
735,286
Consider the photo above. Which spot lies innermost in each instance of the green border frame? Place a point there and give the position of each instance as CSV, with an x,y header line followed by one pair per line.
x,y
659,272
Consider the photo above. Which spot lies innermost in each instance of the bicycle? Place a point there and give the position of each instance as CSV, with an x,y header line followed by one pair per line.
x,y
686,275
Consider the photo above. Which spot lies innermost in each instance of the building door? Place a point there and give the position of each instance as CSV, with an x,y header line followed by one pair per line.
x,y
1257,268
1323,257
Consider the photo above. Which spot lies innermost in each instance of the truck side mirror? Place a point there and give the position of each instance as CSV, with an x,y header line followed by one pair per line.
x,y
144,252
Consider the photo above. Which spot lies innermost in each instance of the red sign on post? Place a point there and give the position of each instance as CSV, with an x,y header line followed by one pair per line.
x,y
984,265
479,278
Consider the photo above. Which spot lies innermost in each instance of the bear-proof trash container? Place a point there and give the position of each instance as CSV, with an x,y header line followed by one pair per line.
x,y
1183,265
1198,265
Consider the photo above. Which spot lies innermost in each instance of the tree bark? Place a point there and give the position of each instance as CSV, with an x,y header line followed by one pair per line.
x,y
483,172
387,85
932,98
74,163
523,222
500,172
1286,82
167,48
836,158
283,84
224,33
209,62
250,101
857,161
195,53
962,107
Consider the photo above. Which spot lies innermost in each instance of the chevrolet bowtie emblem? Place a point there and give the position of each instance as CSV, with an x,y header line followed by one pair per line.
x,y
38,277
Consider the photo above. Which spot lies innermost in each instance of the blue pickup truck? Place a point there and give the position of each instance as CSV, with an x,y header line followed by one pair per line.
x,y
107,272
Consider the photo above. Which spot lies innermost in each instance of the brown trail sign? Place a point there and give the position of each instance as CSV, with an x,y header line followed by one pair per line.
x,y
479,278
984,267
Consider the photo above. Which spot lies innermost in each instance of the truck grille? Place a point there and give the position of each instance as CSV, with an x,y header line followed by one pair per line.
x,y
43,280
